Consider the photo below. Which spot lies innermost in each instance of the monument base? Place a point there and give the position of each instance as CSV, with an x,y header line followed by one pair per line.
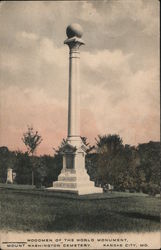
x,y
73,177
73,182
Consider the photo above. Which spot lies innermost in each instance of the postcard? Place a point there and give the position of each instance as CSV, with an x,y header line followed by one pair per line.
x,y
79,124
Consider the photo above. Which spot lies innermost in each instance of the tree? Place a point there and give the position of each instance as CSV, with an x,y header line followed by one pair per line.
x,y
7,160
108,143
87,144
40,171
108,148
58,150
32,140
150,154
53,168
64,141
23,168
123,172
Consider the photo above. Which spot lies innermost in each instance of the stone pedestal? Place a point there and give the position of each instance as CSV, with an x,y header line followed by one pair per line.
x,y
73,177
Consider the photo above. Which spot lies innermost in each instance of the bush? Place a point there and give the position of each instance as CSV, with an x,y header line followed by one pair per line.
x,y
150,188
132,190
153,189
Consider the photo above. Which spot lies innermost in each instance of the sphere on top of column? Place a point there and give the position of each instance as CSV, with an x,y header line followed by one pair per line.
x,y
74,29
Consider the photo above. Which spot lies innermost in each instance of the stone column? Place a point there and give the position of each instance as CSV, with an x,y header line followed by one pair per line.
x,y
74,41
73,177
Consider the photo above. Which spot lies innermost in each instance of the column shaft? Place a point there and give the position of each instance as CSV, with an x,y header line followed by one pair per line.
x,y
74,94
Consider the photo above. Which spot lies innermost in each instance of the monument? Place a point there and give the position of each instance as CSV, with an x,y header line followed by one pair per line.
x,y
73,177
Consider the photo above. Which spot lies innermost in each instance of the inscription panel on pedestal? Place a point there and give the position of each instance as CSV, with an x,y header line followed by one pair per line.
x,y
69,161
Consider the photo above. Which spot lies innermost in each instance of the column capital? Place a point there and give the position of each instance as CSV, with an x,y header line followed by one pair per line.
x,y
74,42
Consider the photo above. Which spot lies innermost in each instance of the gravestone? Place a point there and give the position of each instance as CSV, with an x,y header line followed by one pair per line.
x,y
9,176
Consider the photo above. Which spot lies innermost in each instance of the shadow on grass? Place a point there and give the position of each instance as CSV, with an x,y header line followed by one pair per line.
x,y
23,211
141,216
97,223
79,223
65,195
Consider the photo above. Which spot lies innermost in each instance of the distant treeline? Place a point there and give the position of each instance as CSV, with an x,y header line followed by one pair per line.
x,y
127,168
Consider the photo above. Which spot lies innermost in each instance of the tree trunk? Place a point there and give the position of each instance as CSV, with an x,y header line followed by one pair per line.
x,y
32,169
32,177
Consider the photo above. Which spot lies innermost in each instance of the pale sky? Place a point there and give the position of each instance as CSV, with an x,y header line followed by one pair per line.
x,y
119,70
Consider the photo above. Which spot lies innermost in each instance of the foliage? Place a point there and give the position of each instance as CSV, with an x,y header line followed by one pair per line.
x,y
31,139
23,168
108,143
87,144
109,148
127,168
53,167
64,141
91,166
58,150
39,167
7,160
124,166
150,154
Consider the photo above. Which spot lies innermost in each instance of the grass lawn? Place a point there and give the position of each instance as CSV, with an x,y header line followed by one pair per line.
x,y
45,211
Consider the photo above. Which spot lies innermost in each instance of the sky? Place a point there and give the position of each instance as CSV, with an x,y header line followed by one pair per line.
x,y
119,70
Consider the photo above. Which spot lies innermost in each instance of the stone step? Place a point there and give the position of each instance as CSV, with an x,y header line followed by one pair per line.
x,y
80,191
87,190
64,184
80,176
83,184
61,189
67,178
